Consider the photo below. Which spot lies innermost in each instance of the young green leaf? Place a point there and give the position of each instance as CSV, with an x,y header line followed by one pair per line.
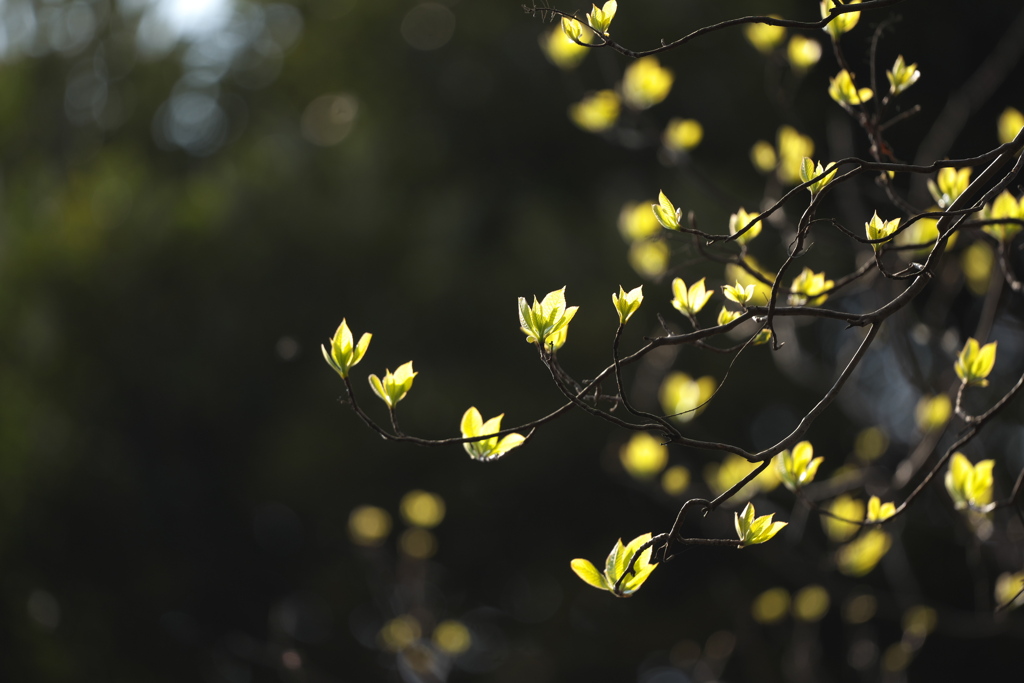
x,y
809,288
879,511
843,22
617,565
738,221
808,171
902,76
738,293
667,213
343,354
843,90
970,486
690,301
600,18
473,426
393,387
949,184
975,362
627,303
753,530
877,229
546,322
798,467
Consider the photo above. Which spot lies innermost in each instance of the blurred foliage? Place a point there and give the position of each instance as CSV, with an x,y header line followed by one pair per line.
x,y
193,195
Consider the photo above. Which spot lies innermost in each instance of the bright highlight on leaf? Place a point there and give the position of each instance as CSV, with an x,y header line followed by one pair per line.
x,y
645,83
798,467
949,184
808,287
572,29
842,23
721,477
690,301
933,412
765,37
597,112
808,170
725,316
1008,588
975,362
863,554
643,456
682,134
738,293
560,49
627,303
879,511
977,262
343,355
803,53
393,387
1004,206
546,322
792,147
902,76
738,221
617,565
877,229
683,397
738,274
1010,123
923,232
493,448
843,508
600,18
970,486
667,213
753,530
843,90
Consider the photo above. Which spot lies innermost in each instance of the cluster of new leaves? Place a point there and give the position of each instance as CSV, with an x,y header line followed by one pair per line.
x,y
900,245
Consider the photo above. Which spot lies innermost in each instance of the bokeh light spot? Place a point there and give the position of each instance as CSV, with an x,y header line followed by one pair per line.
x,y
675,480
810,603
643,456
400,632
418,543
859,609
771,606
422,509
328,119
428,26
452,637
369,525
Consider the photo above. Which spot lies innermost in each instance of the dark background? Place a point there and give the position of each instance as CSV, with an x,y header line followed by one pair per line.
x,y
176,470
